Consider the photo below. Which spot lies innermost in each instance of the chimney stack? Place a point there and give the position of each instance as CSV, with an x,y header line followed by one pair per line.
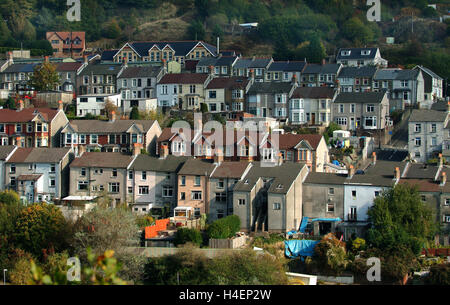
x,y
20,105
136,149
113,116
81,150
323,62
125,62
443,178
252,75
374,158
294,79
211,70
60,105
448,106
441,160
164,151
351,171
10,56
280,159
397,173
218,157
164,62
85,59
218,44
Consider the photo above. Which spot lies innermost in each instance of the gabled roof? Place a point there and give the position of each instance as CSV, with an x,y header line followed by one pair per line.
x,y
170,164
313,92
197,167
244,63
140,71
68,66
103,127
282,177
217,61
421,171
20,68
108,55
290,141
355,53
321,69
101,159
26,115
360,97
287,66
5,151
427,115
181,48
184,78
365,71
269,87
228,83
65,35
230,170
39,155
428,71
102,69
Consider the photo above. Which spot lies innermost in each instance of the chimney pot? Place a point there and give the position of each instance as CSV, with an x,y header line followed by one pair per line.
x,y
351,171
20,105
397,173
164,151
374,158
441,160
60,105
443,178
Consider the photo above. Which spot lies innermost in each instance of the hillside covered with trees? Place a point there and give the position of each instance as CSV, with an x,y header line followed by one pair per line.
x,y
288,29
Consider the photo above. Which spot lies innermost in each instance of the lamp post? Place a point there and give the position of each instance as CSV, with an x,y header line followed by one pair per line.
x,y
4,276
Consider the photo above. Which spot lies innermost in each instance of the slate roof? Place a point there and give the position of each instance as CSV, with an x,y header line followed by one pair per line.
x,y
184,78
108,55
5,151
102,69
350,72
356,53
321,69
287,66
428,71
38,155
170,164
181,48
140,71
32,177
26,115
20,68
244,63
68,66
421,171
101,159
230,170
283,176
380,174
440,106
360,97
228,83
289,141
102,127
313,92
325,178
197,167
219,61
278,87
427,115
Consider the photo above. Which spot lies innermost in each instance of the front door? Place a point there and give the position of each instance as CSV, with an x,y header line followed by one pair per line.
x,y
352,123
264,112
324,228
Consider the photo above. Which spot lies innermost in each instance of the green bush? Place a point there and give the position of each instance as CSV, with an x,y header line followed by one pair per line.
x,y
224,228
185,235
330,255
439,275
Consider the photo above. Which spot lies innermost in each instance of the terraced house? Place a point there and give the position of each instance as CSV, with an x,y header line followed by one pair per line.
x,y
357,57
317,75
356,79
95,173
183,90
226,93
39,174
137,85
99,78
152,183
221,65
270,200
130,136
284,71
31,127
252,67
157,51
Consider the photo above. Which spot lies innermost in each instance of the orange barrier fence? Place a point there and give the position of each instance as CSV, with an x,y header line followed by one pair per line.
x,y
160,225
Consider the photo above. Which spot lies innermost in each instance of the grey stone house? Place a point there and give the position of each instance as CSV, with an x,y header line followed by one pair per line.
x,y
270,199
356,79
259,66
99,78
270,99
222,65
284,71
137,84
315,75
426,133
221,184
361,110
357,57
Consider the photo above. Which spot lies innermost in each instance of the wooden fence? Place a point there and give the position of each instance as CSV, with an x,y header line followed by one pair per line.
x,y
436,252
152,231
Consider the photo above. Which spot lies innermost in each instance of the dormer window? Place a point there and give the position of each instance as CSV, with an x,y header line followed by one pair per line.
x,y
346,53
365,52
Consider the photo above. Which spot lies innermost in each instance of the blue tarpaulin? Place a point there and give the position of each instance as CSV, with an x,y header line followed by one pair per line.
x,y
300,248
326,219
303,224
